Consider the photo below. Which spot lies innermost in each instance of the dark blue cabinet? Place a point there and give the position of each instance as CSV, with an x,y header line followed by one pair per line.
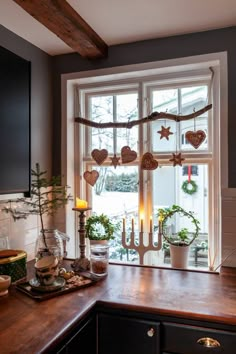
x,y
82,340
118,334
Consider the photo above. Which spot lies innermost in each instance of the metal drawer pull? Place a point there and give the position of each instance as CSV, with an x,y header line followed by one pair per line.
x,y
208,342
151,332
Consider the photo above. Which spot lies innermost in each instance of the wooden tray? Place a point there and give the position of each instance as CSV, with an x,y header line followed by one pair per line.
x,y
27,289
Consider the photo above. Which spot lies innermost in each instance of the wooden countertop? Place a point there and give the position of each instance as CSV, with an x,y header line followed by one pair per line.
x,y
28,326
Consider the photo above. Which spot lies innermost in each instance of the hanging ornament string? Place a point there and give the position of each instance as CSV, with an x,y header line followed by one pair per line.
x,y
189,186
148,162
189,173
99,155
165,132
115,160
197,137
194,121
99,138
177,157
128,155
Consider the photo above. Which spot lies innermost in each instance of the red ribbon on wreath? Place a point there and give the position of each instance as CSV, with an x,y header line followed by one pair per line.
x,y
189,173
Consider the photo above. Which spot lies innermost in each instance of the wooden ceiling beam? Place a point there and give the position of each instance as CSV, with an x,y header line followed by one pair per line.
x,y
60,18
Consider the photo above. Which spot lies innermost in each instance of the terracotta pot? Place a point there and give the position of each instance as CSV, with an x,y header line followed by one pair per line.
x,y
98,242
179,256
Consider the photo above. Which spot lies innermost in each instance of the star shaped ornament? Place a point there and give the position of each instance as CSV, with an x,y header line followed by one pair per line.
x,y
177,159
165,132
115,161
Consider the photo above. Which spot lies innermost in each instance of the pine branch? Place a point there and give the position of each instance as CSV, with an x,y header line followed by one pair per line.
x,y
47,196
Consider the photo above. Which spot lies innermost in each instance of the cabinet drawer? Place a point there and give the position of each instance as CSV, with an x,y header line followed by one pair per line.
x,y
123,335
185,339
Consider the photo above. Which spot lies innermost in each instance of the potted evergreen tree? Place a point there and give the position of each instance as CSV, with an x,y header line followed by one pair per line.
x,y
47,196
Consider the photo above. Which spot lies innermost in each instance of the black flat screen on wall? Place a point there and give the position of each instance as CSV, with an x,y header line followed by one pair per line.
x,y
14,123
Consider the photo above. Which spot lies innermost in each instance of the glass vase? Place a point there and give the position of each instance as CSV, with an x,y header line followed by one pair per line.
x,y
50,242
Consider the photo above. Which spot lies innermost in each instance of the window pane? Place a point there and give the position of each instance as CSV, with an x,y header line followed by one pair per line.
x,y
114,108
167,190
127,110
101,111
116,195
181,101
164,101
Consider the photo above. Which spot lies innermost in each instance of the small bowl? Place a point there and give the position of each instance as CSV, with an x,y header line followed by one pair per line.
x,y
5,282
46,262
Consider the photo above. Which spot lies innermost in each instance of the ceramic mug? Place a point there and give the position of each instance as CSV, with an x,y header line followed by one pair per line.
x,y
47,270
5,282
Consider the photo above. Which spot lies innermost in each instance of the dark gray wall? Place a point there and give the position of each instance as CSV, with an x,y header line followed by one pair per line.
x,y
41,96
153,50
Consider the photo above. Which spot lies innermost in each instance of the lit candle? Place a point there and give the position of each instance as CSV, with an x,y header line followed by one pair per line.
x,y
132,222
150,224
81,204
141,225
123,224
160,225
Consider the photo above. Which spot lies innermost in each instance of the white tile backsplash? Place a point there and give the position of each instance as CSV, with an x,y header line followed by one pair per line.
x,y
5,227
229,227
22,233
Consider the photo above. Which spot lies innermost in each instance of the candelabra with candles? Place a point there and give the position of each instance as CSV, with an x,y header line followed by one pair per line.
x,y
82,263
140,248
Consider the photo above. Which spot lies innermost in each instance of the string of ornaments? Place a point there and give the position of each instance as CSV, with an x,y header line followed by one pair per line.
x,y
148,162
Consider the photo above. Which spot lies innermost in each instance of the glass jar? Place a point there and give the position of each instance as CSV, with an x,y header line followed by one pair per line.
x,y
99,259
50,242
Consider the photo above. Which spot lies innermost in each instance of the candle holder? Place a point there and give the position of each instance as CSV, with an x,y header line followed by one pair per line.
x,y
82,263
140,248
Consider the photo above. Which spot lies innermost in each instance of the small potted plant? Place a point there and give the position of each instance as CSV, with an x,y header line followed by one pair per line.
x,y
180,241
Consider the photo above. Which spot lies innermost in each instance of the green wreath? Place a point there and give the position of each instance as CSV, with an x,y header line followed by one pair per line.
x,y
193,187
183,234
94,232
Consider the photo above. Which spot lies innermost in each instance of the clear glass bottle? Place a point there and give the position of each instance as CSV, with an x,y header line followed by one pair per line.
x,y
50,242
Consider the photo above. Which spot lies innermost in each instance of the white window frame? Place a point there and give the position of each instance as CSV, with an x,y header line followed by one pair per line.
x,y
71,151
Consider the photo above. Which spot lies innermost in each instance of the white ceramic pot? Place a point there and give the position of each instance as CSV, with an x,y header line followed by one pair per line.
x,y
179,256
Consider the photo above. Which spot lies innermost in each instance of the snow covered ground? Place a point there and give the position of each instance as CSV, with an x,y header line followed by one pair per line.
x,y
115,203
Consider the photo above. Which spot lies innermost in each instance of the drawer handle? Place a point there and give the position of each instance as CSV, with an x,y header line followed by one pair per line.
x,y
151,332
208,342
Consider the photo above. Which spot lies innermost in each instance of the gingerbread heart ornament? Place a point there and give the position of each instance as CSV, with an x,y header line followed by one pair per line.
x,y
148,162
195,138
99,155
91,177
128,155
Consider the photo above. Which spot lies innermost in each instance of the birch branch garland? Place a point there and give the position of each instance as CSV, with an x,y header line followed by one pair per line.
x,y
150,118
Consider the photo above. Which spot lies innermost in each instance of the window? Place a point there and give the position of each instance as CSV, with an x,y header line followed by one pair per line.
x,y
127,191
